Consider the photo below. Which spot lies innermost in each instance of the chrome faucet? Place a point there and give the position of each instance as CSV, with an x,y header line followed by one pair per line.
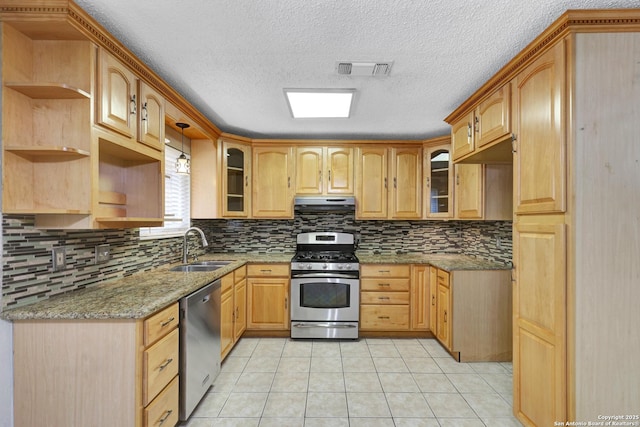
x,y
185,247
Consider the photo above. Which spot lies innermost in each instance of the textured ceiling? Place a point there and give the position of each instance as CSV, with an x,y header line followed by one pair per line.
x,y
232,59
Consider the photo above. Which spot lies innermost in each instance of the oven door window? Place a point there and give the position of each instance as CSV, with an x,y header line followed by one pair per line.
x,y
324,295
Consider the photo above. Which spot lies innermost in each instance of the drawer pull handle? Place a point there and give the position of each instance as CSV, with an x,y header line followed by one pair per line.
x,y
383,317
171,319
384,284
165,364
265,271
384,271
166,417
384,298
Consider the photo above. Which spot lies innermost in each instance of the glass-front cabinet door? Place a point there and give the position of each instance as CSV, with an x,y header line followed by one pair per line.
x,y
438,182
236,179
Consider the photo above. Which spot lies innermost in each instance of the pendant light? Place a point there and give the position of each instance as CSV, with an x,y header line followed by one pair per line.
x,y
183,166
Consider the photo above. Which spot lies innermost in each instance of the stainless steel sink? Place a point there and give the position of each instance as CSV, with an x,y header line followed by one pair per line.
x,y
199,267
212,263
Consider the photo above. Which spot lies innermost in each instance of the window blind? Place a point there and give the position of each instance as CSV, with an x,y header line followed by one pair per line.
x,y
177,191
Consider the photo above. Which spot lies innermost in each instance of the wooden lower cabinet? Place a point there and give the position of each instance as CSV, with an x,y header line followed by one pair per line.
x,y
164,408
419,300
100,373
227,312
268,297
233,309
540,321
474,317
384,297
433,292
395,297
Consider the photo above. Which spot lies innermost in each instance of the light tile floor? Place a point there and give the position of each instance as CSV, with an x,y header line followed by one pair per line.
x,y
371,382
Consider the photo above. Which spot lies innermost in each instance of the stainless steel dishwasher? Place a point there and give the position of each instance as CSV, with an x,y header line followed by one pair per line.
x,y
199,345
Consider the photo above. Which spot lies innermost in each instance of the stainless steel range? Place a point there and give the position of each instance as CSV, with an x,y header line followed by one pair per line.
x,y
325,287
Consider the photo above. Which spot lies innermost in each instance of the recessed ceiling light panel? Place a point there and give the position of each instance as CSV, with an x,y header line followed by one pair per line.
x,y
319,103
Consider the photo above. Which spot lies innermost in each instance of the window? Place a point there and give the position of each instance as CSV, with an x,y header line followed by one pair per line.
x,y
177,191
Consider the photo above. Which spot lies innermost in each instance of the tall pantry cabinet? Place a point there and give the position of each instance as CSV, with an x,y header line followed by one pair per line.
x,y
576,159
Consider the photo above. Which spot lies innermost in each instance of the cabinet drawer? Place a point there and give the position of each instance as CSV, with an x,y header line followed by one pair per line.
x,y
381,284
263,270
240,274
163,411
384,298
384,317
158,325
160,365
385,270
443,278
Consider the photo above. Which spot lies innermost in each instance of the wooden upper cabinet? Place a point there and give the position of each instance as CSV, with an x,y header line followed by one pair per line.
x,y
272,186
324,170
150,117
469,191
339,170
371,183
484,192
492,117
488,124
128,105
438,182
117,101
406,189
388,183
540,154
462,141
236,179
309,169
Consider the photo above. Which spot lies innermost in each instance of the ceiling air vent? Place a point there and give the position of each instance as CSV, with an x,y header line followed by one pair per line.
x,y
364,68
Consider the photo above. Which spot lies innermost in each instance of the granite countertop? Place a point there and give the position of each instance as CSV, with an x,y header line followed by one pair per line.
x,y
136,296
448,262
142,294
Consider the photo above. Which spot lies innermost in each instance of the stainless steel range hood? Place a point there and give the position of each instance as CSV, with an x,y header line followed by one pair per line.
x,y
325,204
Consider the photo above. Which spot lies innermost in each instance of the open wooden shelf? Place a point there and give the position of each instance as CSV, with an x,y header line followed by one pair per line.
x,y
48,90
41,151
46,211
129,222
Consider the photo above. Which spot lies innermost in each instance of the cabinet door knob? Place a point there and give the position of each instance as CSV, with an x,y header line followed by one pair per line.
x,y
469,133
329,177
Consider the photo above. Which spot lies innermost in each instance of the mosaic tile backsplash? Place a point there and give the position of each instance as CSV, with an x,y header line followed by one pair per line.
x,y
27,275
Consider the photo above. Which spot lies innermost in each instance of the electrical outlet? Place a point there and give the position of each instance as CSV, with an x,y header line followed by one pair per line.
x,y
103,254
59,258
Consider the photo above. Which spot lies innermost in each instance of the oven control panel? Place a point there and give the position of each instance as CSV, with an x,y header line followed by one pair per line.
x,y
325,266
